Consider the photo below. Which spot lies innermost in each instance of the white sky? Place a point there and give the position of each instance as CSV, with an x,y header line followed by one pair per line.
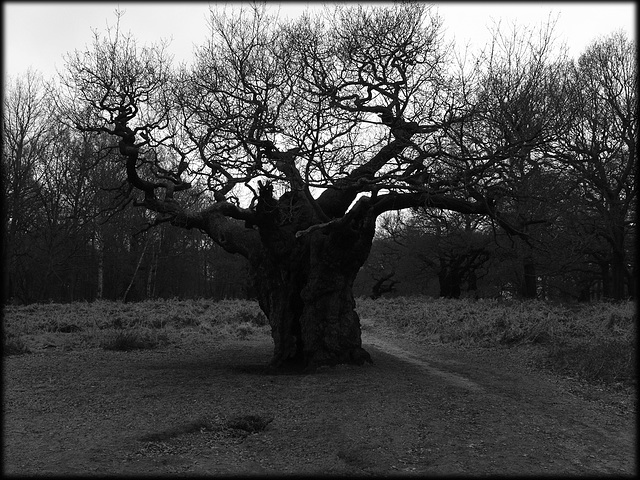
x,y
38,34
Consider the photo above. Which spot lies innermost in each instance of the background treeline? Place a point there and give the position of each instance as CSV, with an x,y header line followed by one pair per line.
x,y
71,232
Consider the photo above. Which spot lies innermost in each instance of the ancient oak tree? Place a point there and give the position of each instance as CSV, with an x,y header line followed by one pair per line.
x,y
295,136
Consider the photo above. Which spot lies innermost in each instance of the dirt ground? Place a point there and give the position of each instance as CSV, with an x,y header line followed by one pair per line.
x,y
420,409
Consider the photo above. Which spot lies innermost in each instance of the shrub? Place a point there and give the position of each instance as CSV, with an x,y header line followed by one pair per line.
x,y
260,319
606,360
244,330
245,314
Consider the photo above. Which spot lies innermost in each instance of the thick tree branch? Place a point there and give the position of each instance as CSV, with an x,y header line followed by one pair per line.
x,y
398,201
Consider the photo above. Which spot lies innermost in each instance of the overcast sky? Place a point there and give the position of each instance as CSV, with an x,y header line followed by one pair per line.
x,y
38,34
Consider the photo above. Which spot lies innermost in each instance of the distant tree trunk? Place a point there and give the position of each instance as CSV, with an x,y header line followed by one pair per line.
x,y
618,273
606,278
584,295
529,284
449,283
383,285
150,276
472,281
598,290
7,268
618,264
100,290
153,269
632,283
99,248
135,272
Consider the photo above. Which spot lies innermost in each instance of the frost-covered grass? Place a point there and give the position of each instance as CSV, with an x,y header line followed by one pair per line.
x,y
593,341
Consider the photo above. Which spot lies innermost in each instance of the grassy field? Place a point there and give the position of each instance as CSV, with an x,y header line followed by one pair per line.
x,y
595,342
127,326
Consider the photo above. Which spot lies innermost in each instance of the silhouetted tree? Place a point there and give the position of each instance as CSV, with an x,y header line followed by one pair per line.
x,y
299,135
600,148
25,116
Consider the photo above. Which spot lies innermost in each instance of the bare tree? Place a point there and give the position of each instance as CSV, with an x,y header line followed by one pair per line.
x,y
299,135
454,246
25,115
600,149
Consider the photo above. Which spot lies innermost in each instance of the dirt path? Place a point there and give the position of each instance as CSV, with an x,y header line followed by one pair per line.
x,y
537,421
418,409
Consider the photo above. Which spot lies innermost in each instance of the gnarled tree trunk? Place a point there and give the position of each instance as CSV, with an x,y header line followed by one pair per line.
x,y
304,285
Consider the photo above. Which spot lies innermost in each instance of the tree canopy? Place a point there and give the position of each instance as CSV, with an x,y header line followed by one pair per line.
x,y
362,100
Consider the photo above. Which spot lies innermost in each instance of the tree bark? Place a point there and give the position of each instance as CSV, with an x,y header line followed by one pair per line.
x,y
606,278
472,281
618,274
449,283
618,264
632,283
98,246
329,322
135,272
304,285
530,284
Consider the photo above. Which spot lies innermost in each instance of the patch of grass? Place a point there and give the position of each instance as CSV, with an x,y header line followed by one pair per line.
x,y
181,321
607,360
237,426
69,328
244,330
13,346
157,323
250,316
595,341
108,315
366,325
260,319
132,340
249,423
199,425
